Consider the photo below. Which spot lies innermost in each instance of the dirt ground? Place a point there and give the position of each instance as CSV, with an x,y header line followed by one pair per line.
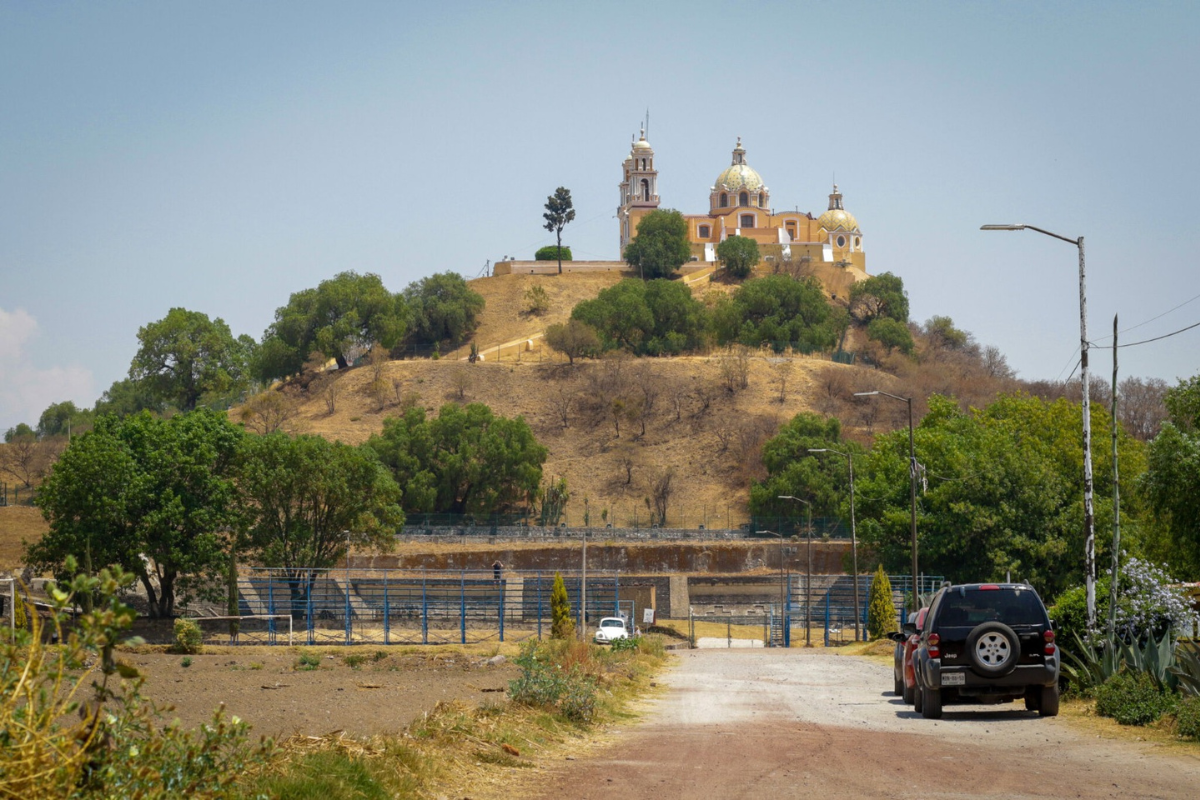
x,y
263,686
773,723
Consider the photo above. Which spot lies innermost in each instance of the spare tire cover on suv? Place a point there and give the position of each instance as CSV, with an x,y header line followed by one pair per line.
x,y
994,649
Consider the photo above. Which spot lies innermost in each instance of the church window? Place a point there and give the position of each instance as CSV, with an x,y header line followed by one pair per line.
x,y
744,199
747,220
704,231
791,231
724,200
841,241
645,189
858,242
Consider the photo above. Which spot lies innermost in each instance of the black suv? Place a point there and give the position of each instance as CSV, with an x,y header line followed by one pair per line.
x,y
986,643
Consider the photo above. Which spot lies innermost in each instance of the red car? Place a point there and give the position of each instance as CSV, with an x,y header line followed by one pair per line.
x,y
904,678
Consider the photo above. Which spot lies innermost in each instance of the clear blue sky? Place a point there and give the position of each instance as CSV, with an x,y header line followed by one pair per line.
x,y
219,156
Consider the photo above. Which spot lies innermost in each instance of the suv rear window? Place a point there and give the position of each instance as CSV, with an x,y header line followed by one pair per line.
x,y
964,607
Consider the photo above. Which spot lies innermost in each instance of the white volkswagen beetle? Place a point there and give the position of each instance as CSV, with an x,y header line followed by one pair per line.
x,y
611,628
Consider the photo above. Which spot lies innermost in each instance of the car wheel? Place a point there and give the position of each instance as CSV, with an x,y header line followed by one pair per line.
x,y
909,694
993,648
1032,697
931,703
918,699
897,686
1048,701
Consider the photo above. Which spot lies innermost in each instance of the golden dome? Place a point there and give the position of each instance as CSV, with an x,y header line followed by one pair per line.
x,y
838,219
641,143
739,175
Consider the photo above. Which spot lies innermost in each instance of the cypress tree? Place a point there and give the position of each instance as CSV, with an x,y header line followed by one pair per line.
x,y
561,624
881,613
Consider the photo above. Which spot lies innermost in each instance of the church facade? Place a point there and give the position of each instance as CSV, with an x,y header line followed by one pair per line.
x,y
739,204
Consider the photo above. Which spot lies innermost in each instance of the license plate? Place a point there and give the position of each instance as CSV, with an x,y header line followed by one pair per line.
x,y
953,679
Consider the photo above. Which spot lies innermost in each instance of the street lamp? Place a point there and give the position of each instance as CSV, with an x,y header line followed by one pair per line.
x,y
1089,519
853,534
912,487
808,574
782,582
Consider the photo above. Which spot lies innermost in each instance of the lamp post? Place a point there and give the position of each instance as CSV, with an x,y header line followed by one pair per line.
x,y
1089,519
808,573
912,488
853,534
782,582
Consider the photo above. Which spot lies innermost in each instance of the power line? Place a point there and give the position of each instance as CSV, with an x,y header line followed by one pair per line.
x,y
1152,319
1148,341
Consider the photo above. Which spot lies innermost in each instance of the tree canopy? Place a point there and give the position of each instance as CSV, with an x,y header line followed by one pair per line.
x,y
661,246
891,334
654,317
880,295
739,254
61,419
466,460
125,397
185,357
444,309
574,339
341,318
149,495
821,478
779,310
559,212
1172,481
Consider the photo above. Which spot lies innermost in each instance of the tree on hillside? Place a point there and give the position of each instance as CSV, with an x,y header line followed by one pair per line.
x,y
891,334
574,339
24,456
127,397
444,309
559,212
466,460
739,254
781,311
880,295
186,357
792,470
20,430
310,499
654,317
61,419
661,246
340,318
146,494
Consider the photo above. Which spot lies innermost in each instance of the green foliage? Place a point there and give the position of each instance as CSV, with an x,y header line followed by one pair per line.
x,y
942,334
661,245
146,494
628,643
1187,718
127,397
657,317
1183,404
1004,491
546,684
891,334
821,478
185,662
552,499
444,309
1133,698
185,358
340,318
188,637
881,612
779,310
552,253
559,212
574,339
880,295
21,620
75,724
308,662
1172,487
467,460
537,300
1069,610
304,494
1187,668
19,431
332,775
562,626
739,254
59,419
1089,665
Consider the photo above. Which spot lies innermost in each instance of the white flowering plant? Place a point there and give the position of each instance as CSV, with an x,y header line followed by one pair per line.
x,y
1151,603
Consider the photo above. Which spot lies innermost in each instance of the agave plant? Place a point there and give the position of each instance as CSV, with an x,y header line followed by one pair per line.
x,y
1155,658
1091,666
1187,668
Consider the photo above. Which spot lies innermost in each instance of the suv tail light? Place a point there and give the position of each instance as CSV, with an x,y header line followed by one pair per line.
x,y
934,650
1048,636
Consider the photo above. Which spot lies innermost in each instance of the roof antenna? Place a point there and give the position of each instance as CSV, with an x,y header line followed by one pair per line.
x,y
647,120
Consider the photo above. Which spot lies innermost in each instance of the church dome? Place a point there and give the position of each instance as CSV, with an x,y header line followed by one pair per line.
x,y
739,175
641,144
837,217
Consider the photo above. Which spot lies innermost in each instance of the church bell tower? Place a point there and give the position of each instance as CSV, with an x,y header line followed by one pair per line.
x,y
639,189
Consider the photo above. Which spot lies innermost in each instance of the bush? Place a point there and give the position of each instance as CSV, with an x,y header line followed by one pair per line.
x,y
1187,718
188,637
881,613
308,662
739,254
537,300
550,253
1132,698
545,684
561,624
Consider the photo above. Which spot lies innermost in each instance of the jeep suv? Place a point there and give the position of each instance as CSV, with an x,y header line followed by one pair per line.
x,y
986,643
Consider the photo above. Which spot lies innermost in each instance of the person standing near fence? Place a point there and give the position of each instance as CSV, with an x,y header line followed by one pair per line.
x,y
496,568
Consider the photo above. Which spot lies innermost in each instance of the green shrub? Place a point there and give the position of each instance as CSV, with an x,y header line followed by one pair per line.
x,y
354,660
550,253
561,624
545,684
186,662
308,662
1187,718
1132,698
188,636
881,613
628,643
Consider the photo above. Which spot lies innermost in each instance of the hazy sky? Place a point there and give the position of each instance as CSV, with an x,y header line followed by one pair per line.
x,y
219,156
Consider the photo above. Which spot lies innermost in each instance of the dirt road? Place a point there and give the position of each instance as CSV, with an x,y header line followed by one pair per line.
x,y
772,723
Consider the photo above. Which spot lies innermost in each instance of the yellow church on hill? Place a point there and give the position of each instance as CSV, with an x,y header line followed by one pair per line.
x,y
739,204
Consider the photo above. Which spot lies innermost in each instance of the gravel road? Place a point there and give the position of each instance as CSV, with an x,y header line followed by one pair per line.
x,y
775,723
